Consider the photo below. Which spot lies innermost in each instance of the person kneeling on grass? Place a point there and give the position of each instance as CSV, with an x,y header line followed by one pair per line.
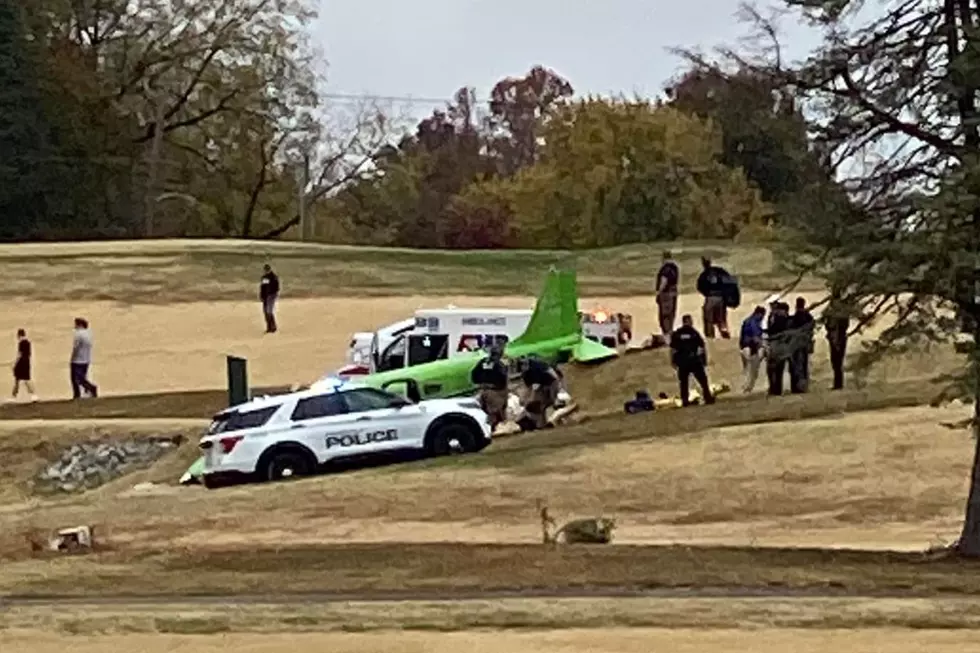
x,y
542,384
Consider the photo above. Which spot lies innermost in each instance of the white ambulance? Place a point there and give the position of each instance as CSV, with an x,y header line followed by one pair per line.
x,y
442,333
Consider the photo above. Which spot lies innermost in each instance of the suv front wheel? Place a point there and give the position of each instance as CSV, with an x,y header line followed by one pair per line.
x,y
453,437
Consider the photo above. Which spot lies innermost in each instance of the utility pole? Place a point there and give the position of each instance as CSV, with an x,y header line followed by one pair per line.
x,y
303,182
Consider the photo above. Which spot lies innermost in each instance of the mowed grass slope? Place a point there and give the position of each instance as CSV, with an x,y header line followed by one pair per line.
x,y
893,480
159,272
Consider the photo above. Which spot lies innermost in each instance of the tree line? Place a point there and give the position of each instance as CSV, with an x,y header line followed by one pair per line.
x,y
161,118
718,157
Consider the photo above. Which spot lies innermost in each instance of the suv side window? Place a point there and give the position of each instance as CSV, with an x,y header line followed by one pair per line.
x,y
365,399
236,421
319,406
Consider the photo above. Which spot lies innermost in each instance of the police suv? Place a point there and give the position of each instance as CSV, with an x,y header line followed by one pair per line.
x,y
277,437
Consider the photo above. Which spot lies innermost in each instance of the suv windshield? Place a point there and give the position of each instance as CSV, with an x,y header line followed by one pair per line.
x,y
237,421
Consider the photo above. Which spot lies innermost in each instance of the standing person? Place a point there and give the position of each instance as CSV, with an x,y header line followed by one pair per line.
x,y
750,346
269,294
837,322
22,367
668,279
491,376
777,346
689,356
801,333
81,359
712,286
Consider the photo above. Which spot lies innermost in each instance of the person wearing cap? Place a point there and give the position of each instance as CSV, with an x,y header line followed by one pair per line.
x,y
750,346
492,377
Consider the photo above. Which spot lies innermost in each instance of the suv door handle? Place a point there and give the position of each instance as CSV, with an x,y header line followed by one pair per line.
x,y
298,426
362,419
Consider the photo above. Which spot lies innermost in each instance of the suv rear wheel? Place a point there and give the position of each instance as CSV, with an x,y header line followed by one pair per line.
x,y
285,465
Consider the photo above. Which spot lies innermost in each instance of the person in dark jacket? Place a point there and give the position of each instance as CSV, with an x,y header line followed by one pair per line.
x,y
542,383
269,294
750,345
22,366
837,322
801,326
491,376
689,356
668,280
777,346
711,285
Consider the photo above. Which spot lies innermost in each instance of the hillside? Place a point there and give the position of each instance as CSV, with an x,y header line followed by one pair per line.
x,y
158,272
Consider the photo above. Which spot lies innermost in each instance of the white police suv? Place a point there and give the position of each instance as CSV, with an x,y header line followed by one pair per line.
x,y
282,436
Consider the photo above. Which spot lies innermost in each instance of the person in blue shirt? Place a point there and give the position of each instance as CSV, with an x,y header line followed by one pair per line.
x,y
750,346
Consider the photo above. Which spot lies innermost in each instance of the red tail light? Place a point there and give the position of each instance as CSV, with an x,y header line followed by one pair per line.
x,y
229,443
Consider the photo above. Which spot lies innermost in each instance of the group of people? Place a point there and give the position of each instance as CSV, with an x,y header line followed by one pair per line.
x,y
542,385
79,363
784,341
81,352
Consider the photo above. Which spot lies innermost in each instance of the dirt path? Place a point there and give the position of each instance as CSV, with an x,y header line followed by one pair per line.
x,y
598,640
451,595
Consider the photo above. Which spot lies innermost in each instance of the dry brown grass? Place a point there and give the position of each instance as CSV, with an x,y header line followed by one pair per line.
x,y
880,480
159,272
152,349
140,349
500,614
602,640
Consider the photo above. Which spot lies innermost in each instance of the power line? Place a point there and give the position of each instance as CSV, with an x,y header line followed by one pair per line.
x,y
408,99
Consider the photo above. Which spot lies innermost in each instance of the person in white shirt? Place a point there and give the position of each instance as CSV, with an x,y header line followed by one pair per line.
x,y
81,359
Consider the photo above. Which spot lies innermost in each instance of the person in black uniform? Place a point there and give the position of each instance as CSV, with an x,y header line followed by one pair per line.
x,y
269,294
543,383
777,346
491,376
837,322
801,325
22,367
689,356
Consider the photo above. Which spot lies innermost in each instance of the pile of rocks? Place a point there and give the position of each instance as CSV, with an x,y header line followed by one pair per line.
x,y
87,465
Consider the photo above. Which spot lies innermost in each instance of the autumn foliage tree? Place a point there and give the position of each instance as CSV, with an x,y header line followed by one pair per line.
x,y
615,171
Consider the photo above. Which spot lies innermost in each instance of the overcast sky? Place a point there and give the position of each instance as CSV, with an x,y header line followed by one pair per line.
x,y
430,48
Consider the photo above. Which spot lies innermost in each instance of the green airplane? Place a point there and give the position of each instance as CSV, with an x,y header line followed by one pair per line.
x,y
554,334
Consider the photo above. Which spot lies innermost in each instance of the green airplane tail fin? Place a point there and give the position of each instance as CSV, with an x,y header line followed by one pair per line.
x,y
556,312
590,351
